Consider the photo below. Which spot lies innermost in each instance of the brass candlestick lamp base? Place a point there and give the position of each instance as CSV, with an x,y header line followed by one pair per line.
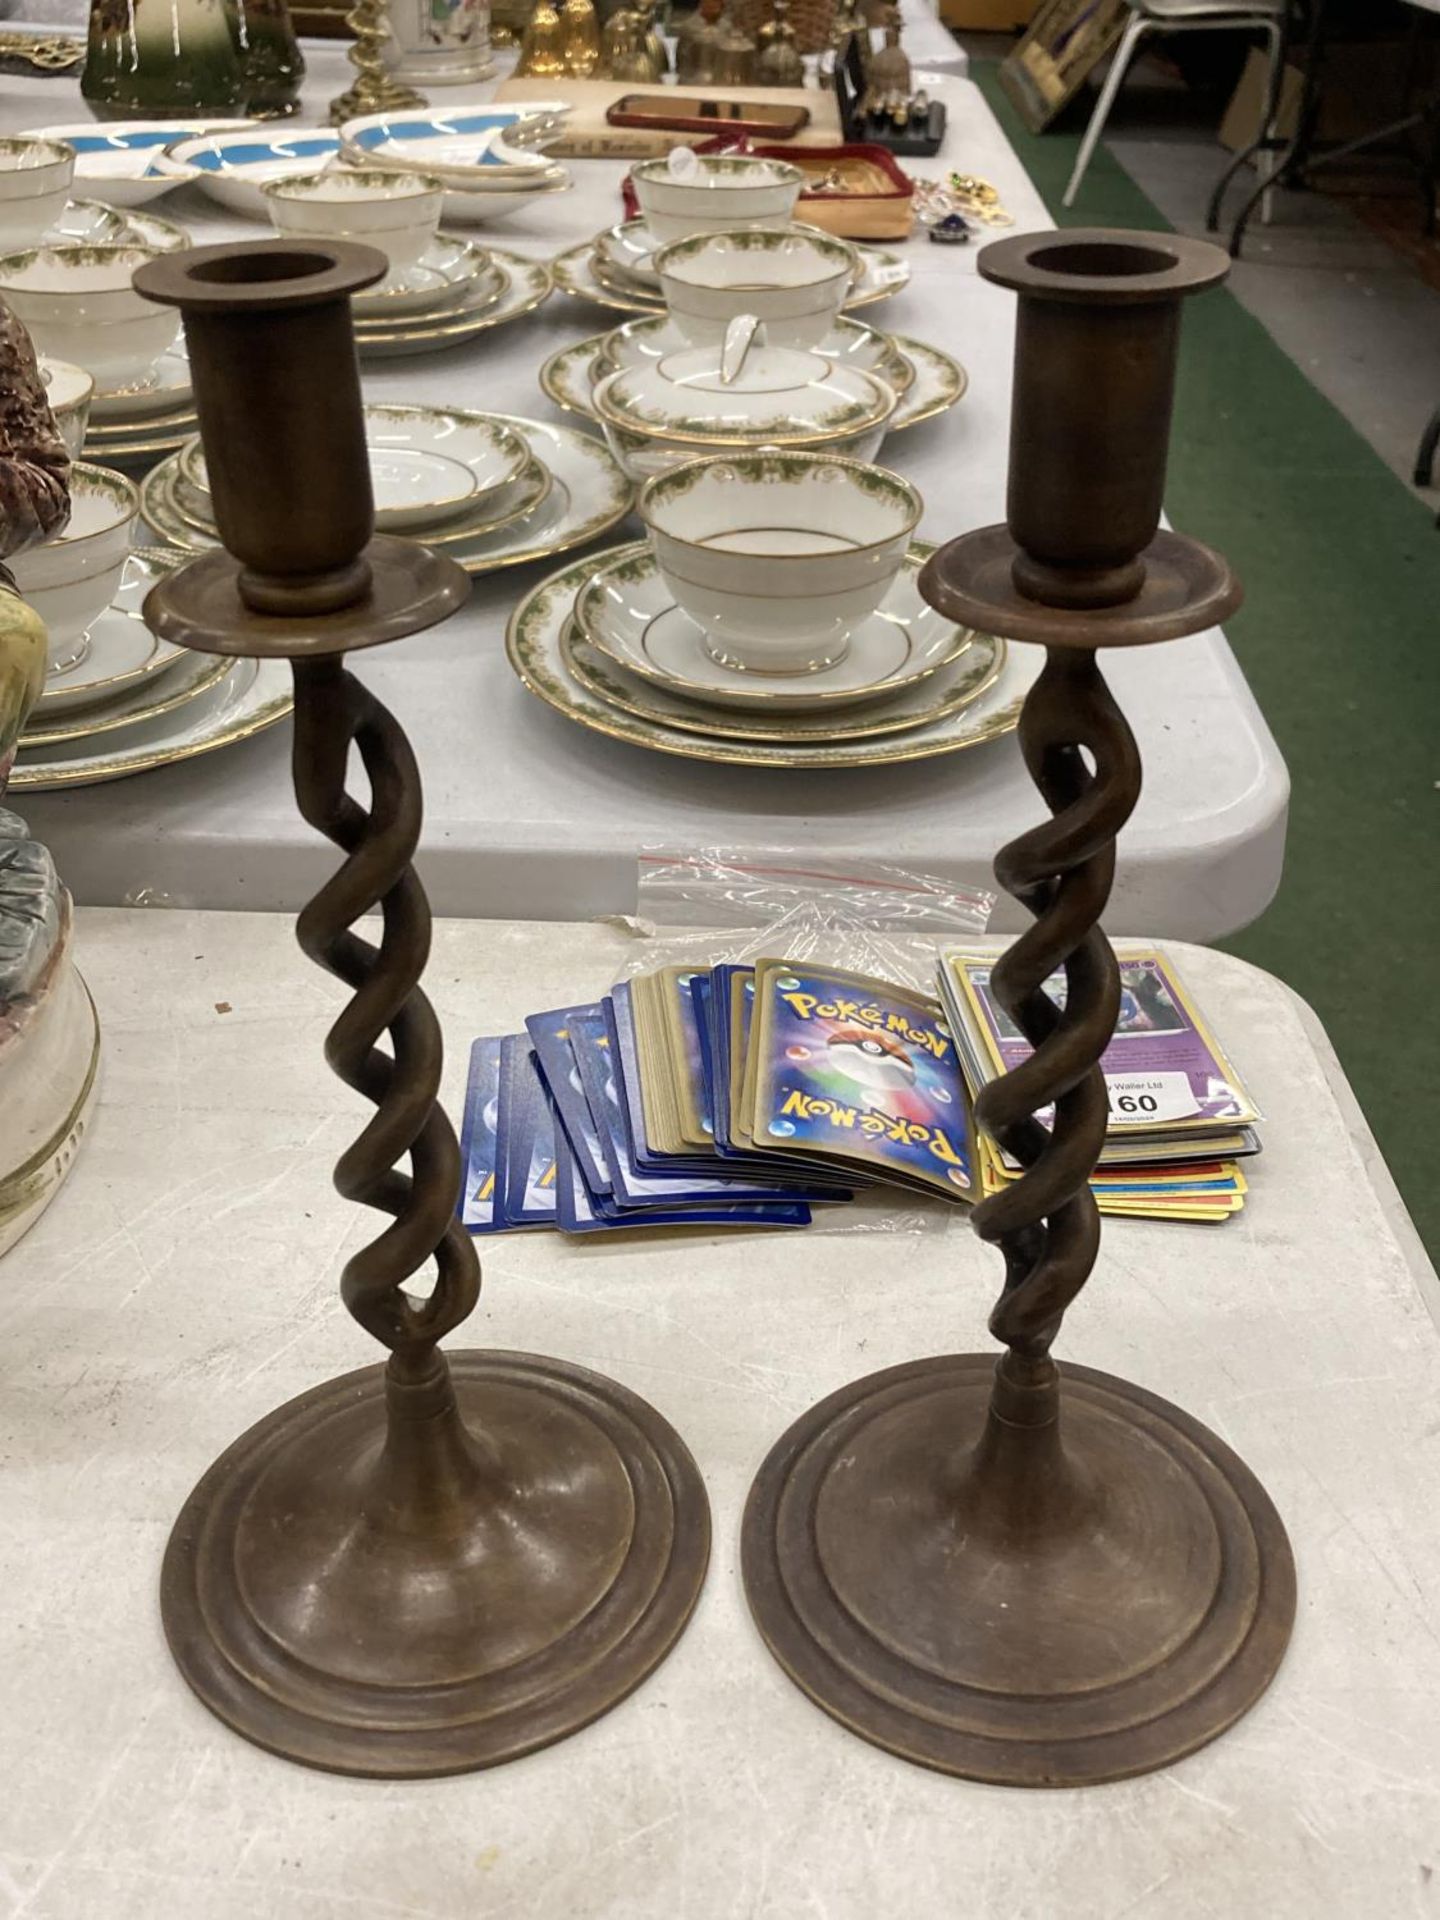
x,y
426,1566
999,1569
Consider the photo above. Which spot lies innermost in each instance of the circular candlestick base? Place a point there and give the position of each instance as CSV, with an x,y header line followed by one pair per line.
x,y
515,1601
996,1631
410,588
1187,587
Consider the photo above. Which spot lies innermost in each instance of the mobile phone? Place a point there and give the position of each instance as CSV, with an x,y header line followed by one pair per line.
x,y
686,113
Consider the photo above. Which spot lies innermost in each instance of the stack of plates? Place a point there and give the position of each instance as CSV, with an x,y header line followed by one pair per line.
x,y
489,490
139,424
604,644
924,380
614,270
484,178
134,701
455,291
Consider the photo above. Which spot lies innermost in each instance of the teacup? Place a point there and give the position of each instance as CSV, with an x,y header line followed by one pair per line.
x,y
793,279
779,556
69,391
35,180
72,579
396,212
77,303
721,191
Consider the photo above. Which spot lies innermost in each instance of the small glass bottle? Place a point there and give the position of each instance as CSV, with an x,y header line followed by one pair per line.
x,y
161,58
271,63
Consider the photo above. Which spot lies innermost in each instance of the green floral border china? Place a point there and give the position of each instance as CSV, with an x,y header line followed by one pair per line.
x,y
90,721
954,381
158,511
531,281
269,673
154,562
577,272
894,369
628,692
533,646
637,562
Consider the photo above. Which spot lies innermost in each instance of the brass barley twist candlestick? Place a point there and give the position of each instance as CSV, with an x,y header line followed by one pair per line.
x,y
375,90
428,1566
1000,1570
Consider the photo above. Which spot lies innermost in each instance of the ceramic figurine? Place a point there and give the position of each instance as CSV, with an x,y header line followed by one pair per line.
x,y
696,41
271,63
439,43
579,38
49,1040
542,43
156,58
778,62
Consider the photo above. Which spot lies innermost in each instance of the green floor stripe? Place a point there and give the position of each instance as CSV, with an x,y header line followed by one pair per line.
x,y
1340,640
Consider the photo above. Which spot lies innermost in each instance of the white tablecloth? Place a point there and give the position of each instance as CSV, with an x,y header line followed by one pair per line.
x,y
184,1284
528,814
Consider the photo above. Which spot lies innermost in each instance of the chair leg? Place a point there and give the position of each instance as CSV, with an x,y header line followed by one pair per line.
x,y
1425,454
1268,159
1124,53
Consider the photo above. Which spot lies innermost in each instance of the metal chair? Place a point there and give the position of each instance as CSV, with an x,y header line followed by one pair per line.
x,y
1175,16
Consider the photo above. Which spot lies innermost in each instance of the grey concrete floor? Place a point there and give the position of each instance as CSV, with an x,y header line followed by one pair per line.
x,y
1348,309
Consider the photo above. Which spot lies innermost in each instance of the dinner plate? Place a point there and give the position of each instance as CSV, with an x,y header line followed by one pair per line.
x,y
527,284
472,147
250,696
188,677
587,496
945,692
123,652
534,645
628,613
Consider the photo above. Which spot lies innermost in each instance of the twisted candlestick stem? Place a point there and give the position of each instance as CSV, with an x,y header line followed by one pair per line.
x,y
375,89
332,711
1082,756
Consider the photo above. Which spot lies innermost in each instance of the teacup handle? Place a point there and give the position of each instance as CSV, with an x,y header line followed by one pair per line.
x,y
740,336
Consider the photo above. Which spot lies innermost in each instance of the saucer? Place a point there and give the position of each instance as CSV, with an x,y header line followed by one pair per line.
x,y
627,613
164,389
625,252
941,694
123,652
427,464
526,284
447,272
534,646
